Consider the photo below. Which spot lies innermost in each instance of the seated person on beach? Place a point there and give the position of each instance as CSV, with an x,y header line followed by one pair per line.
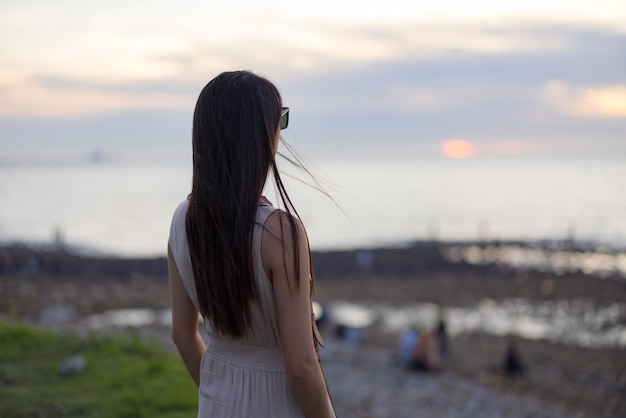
x,y
419,351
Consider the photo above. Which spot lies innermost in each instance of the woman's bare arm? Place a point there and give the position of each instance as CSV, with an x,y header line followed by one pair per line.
x,y
184,322
293,305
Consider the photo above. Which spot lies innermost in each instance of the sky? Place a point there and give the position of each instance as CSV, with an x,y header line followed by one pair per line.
x,y
454,78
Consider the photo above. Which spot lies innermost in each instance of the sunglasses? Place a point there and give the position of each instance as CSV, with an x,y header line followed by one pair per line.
x,y
284,118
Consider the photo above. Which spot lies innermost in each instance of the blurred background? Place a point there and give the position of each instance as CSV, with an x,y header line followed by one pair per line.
x,y
475,151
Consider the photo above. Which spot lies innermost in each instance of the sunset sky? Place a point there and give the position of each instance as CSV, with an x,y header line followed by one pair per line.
x,y
380,78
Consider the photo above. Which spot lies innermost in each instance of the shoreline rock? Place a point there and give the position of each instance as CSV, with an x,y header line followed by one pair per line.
x,y
22,260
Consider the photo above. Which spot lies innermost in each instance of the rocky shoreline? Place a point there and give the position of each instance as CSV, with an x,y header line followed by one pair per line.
x,y
562,380
562,257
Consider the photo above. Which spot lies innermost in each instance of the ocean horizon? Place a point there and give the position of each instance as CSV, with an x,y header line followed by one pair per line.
x,y
121,203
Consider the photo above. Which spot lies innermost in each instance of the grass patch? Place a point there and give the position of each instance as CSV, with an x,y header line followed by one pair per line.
x,y
125,377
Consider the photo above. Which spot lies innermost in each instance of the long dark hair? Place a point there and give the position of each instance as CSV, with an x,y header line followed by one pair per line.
x,y
235,129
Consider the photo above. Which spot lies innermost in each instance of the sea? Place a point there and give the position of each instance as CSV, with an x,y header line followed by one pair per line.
x,y
121,203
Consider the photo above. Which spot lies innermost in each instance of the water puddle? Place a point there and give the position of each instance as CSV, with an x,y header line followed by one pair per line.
x,y
574,322
129,318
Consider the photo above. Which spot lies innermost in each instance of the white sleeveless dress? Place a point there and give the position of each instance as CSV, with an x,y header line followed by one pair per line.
x,y
240,378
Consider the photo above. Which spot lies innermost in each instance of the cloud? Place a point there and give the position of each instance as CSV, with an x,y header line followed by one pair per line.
x,y
35,99
163,51
401,10
406,97
590,102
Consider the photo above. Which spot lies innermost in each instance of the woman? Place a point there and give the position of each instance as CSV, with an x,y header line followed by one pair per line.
x,y
243,265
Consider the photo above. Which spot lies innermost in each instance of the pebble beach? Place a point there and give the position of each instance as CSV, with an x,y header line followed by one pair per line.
x,y
365,382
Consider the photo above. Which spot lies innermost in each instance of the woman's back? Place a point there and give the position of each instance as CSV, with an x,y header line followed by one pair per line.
x,y
264,328
244,377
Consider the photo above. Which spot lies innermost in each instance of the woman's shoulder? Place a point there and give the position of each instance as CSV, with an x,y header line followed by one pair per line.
x,y
280,222
282,234
283,242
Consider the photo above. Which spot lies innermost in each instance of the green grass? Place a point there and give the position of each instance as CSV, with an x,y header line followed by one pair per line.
x,y
125,377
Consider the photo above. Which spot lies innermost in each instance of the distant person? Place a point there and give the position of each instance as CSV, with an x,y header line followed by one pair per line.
x,y
418,350
426,355
512,364
441,331
243,264
406,347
